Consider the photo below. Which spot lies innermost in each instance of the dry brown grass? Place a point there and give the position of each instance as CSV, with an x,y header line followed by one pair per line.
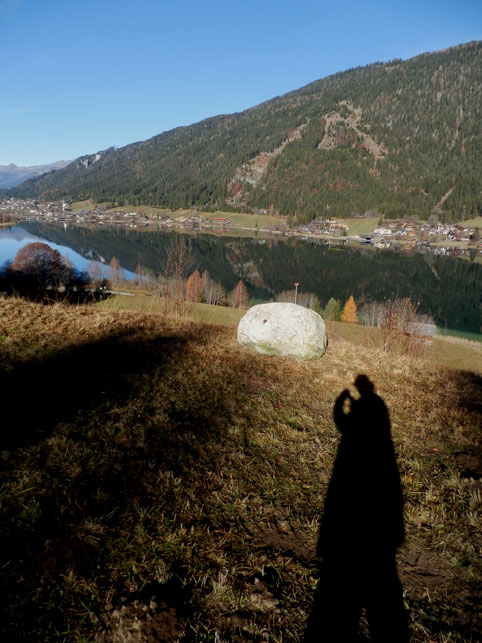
x,y
149,457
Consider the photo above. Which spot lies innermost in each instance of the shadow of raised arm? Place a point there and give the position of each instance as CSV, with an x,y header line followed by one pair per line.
x,y
361,527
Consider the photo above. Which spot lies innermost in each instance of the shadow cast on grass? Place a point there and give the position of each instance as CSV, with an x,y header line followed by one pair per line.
x,y
465,394
92,458
361,528
41,393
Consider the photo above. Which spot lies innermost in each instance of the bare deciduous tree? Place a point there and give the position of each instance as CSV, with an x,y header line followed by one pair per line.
x,y
179,261
213,292
139,273
396,318
116,274
306,299
95,271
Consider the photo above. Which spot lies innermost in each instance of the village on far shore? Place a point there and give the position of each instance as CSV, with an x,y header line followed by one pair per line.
x,y
397,234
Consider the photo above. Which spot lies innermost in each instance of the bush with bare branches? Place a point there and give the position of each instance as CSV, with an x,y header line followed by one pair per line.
x,y
306,299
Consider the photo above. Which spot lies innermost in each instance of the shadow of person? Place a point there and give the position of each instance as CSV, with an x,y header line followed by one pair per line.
x,y
361,528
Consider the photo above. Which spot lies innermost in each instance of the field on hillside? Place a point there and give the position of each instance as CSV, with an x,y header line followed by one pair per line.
x,y
361,226
472,223
158,482
141,302
446,350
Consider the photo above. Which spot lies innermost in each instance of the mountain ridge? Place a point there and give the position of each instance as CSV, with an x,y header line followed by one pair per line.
x,y
398,138
12,175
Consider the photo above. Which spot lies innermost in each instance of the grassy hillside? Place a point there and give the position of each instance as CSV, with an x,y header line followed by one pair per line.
x,y
141,302
158,481
446,350
402,138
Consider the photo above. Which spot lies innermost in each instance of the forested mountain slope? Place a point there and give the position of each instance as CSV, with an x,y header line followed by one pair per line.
x,y
400,137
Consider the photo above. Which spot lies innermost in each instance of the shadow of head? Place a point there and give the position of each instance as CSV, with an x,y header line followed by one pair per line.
x,y
364,384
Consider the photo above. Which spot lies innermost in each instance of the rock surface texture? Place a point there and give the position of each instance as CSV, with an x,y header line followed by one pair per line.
x,y
286,330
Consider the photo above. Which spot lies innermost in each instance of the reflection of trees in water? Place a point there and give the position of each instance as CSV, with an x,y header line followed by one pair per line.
x,y
446,287
361,528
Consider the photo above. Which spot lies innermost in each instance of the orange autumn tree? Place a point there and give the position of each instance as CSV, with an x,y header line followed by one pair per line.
x,y
194,286
349,312
239,296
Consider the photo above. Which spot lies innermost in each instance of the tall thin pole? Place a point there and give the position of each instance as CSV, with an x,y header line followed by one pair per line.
x,y
296,291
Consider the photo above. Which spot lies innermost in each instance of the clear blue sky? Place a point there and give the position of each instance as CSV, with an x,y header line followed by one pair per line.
x,y
78,76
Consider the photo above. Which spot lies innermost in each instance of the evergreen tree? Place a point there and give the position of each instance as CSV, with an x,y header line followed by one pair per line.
x,y
332,311
349,312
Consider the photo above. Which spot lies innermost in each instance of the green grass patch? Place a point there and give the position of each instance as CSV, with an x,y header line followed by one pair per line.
x,y
457,355
361,226
462,334
216,314
88,205
141,302
81,205
350,332
476,222
454,350
245,219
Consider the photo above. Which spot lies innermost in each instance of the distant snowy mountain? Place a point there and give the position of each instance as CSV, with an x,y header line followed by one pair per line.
x,y
12,175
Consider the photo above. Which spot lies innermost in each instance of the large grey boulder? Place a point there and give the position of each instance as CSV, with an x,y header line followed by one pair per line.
x,y
285,330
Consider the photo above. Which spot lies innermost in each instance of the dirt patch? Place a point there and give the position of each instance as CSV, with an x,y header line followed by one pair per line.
x,y
263,603
444,593
158,612
424,572
279,534
138,622
236,627
470,465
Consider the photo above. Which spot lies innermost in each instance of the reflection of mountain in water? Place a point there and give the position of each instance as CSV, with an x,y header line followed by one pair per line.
x,y
446,287
17,233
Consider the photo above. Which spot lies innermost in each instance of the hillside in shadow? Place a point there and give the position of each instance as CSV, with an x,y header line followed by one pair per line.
x,y
159,482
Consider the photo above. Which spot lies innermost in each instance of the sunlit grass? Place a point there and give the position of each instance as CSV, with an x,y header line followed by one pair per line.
x,y
476,222
141,302
457,353
459,334
361,226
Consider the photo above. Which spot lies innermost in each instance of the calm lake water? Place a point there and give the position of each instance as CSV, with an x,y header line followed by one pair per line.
x,y
12,239
448,288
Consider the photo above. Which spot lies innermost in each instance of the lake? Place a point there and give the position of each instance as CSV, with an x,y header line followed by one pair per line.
x,y
448,288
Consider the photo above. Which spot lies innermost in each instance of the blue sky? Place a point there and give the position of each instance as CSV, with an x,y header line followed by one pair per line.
x,y
78,76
